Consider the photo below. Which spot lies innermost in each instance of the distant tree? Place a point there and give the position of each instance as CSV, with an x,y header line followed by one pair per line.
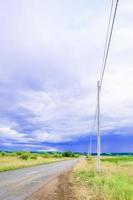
x,y
68,154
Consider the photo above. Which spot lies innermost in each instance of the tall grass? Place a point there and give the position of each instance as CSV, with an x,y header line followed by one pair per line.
x,y
114,183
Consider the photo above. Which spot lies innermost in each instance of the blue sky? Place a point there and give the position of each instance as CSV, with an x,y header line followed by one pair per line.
x,y
50,60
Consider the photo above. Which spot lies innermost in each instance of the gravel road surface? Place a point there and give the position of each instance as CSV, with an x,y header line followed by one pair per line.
x,y
21,183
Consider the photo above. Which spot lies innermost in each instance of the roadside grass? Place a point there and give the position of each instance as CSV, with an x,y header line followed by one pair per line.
x,y
16,160
10,163
114,183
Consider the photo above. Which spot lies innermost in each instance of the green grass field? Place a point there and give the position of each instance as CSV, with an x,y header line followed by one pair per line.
x,y
115,181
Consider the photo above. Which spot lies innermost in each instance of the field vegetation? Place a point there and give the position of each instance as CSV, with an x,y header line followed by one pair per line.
x,y
15,160
115,182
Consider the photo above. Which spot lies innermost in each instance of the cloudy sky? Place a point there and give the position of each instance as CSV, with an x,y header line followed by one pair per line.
x,y
50,60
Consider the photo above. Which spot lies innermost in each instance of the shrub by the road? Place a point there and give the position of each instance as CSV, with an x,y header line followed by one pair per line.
x,y
34,156
45,155
13,154
25,155
3,153
57,155
19,153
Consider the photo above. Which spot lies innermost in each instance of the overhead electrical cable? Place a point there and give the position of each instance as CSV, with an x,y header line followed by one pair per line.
x,y
107,37
108,44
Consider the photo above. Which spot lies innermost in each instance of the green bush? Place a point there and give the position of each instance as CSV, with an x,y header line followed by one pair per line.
x,y
19,153
13,154
45,155
34,156
57,155
76,155
3,153
25,155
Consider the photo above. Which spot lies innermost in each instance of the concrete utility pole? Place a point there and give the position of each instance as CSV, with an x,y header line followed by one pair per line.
x,y
98,129
90,144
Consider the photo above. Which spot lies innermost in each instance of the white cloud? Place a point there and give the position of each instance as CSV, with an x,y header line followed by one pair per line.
x,y
7,133
54,52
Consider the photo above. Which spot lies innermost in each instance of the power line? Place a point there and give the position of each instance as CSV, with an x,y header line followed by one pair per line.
x,y
107,36
109,41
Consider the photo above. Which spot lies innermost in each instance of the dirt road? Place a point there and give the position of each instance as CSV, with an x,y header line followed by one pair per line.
x,y
36,182
60,188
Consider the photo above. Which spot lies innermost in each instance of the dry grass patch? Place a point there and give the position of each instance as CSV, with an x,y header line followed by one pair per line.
x,y
9,163
82,192
82,164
